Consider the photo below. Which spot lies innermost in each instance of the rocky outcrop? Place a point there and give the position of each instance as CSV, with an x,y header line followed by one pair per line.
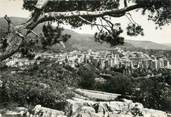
x,y
37,111
40,111
85,107
17,112
126,108
153,113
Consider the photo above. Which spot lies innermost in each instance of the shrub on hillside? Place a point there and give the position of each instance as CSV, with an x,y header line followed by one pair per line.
x,y
119,83
32,91
152,93
87,75
45,85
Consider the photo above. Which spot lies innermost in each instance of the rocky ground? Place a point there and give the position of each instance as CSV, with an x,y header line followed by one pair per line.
x,y
79,107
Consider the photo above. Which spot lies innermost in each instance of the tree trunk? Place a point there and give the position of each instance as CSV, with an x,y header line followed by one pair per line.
x,y
14,38
12,48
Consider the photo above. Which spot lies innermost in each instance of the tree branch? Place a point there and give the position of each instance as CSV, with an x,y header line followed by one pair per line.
x,y
108,22
105,26
16,38
91,22
125,3
19,35
113,12
63,15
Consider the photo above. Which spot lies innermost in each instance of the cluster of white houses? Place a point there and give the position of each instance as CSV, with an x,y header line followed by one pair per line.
x,y
113,59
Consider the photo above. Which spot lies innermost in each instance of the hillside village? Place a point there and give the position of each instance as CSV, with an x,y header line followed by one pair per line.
x,y
118,58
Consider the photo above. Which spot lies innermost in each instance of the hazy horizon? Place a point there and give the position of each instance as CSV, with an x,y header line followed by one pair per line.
x,y
14,8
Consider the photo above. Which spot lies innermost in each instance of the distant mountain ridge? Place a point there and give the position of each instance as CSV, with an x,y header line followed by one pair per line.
x,y
168,44
148,45
86,41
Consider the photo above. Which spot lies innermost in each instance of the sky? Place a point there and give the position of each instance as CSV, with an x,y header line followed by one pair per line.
x,y
14,8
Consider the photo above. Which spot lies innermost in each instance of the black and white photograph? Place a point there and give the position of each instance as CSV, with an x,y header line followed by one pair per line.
x,y
85,58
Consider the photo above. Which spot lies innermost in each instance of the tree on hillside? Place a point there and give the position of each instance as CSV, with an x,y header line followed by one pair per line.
x,y
81,12
52,35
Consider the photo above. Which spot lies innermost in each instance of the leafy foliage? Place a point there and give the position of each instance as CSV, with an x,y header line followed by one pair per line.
x,y
159,10
152,93
72,5
45,84
134,30
119,83
52,35
111,36
62,6
87,76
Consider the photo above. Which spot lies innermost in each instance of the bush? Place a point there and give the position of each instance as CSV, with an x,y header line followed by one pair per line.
x,y
152,93
87,76
119,83
45,85
31,91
